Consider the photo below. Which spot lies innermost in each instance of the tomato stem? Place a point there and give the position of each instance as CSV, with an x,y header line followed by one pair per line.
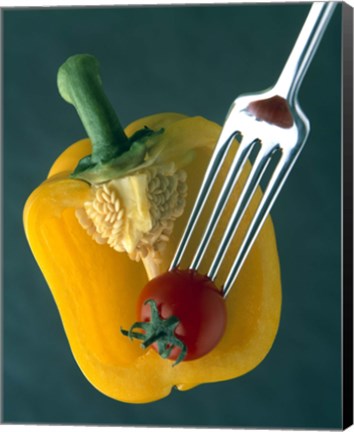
x,y
159,330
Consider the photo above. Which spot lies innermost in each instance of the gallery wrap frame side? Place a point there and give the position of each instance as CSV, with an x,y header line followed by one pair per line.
x,y
347,214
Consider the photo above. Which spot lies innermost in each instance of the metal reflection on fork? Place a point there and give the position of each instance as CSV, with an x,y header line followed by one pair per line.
x,y
273,122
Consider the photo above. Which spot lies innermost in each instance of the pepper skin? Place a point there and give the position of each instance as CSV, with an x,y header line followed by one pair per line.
x,y
96,288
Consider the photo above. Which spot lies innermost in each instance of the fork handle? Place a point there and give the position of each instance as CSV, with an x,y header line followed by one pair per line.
x,y
304,49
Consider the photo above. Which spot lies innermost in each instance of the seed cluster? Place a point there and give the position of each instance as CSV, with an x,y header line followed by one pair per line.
x,y
104,216
166,194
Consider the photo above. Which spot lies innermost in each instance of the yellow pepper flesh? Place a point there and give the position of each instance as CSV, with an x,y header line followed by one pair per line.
x,y
96,289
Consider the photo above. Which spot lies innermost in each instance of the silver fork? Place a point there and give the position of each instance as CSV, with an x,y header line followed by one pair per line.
x,y
270,123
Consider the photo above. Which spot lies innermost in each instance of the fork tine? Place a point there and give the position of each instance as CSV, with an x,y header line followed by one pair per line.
x,y
270,194
238,162
248,190
225,141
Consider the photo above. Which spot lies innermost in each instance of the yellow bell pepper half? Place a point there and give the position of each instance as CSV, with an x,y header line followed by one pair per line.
x,y
96,288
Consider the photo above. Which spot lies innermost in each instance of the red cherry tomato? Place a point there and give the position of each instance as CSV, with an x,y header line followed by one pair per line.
x,y
195,308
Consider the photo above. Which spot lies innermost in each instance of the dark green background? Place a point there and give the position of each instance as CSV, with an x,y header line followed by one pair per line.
x,y
193,60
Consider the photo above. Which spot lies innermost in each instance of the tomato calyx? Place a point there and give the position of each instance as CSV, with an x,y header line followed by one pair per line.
x,y
181,314
160,331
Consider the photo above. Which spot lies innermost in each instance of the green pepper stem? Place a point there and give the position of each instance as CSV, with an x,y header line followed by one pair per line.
x,y
79,84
